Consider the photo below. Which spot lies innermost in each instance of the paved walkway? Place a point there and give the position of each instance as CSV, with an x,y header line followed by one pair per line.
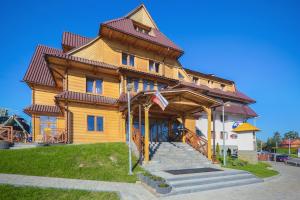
x,y
127,191
285,186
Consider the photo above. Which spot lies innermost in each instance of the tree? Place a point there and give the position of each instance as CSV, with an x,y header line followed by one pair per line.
x,y
277,137
271,142
291,135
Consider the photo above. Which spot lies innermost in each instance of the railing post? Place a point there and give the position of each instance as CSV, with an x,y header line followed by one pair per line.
x,y
146,142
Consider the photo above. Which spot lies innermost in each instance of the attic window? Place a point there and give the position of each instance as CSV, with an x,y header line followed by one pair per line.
x,y
195,79
180,76
223,87
141,28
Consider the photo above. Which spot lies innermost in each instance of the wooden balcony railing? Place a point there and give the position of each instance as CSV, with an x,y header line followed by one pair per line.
x,y
54,135
138,139
197,142
6,133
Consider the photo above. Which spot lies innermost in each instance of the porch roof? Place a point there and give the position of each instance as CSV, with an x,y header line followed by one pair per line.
x,y
181,101
43,110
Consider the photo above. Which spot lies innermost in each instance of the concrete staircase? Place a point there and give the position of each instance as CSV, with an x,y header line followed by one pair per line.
x,y
182,184
174,155
23,146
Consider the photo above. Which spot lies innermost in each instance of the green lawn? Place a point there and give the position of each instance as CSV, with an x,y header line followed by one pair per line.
x,y
107,162
32,193
294,152
261,169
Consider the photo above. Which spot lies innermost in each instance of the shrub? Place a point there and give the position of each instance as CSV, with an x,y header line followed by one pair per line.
x,y
163,185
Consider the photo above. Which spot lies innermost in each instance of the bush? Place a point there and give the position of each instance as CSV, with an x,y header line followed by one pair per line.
x,y
163,185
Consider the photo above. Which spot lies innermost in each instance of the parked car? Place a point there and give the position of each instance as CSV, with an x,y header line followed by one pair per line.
x,y
282,158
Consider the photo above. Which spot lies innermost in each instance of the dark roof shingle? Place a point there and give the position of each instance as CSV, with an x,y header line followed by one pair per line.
x,y
238,109
125,25
74,40
37,108
86,98
38,71
219,93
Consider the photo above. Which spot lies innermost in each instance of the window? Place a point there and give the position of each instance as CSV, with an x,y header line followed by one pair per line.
x,y
47,125
145,85
89,85
142,29
91,123
94,123
99,123
124,58
151,85
131,60
233,136
94,86
222,87
221,135
225,118
180,76
136,85
148,85
195,79
161,86
127,59
153,66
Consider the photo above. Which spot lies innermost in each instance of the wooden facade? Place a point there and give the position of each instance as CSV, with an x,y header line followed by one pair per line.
x,y
100,59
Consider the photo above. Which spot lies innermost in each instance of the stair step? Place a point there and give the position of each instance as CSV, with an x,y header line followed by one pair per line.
x,y
213,186
202,181
205,175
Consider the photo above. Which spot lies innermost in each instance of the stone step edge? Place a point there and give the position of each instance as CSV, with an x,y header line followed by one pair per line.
x,y
192,182
214,186
206,175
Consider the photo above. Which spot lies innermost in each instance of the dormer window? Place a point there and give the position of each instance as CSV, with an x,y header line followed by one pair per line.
x,y
141,28
222,87
127,59
195,79
180,76
153,66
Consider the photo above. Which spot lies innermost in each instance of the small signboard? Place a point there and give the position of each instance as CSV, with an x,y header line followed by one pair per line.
x,y
298,152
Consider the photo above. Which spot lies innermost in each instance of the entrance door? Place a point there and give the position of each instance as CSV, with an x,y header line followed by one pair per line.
x,y
159,130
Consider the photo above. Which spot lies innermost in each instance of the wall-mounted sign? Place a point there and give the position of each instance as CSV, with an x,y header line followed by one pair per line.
x,y
235,124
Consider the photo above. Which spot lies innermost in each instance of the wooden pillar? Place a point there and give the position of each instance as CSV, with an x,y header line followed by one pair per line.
x,y
209,153
146,142
183,126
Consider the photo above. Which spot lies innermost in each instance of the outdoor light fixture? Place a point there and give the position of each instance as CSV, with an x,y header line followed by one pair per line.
x,y
129,88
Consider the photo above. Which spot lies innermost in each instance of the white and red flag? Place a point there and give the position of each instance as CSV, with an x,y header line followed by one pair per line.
x,y
160,100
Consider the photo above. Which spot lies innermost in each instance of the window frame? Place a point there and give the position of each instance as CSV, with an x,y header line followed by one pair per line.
x,y
95,123
180,76
129,58
155,67
94,89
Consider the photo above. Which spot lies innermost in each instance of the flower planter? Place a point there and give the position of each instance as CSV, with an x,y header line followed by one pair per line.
x,y
163,190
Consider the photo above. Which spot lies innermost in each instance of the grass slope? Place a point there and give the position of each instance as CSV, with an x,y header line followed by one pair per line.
x,y
32,193
261,169
107,162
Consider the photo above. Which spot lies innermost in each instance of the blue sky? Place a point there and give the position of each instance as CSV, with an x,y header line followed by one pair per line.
x,y
255,43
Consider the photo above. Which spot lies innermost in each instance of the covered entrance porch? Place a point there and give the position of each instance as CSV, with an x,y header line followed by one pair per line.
x,y
176,123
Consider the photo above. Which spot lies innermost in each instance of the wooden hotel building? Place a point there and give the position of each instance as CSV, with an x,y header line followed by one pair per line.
x,y
79,92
